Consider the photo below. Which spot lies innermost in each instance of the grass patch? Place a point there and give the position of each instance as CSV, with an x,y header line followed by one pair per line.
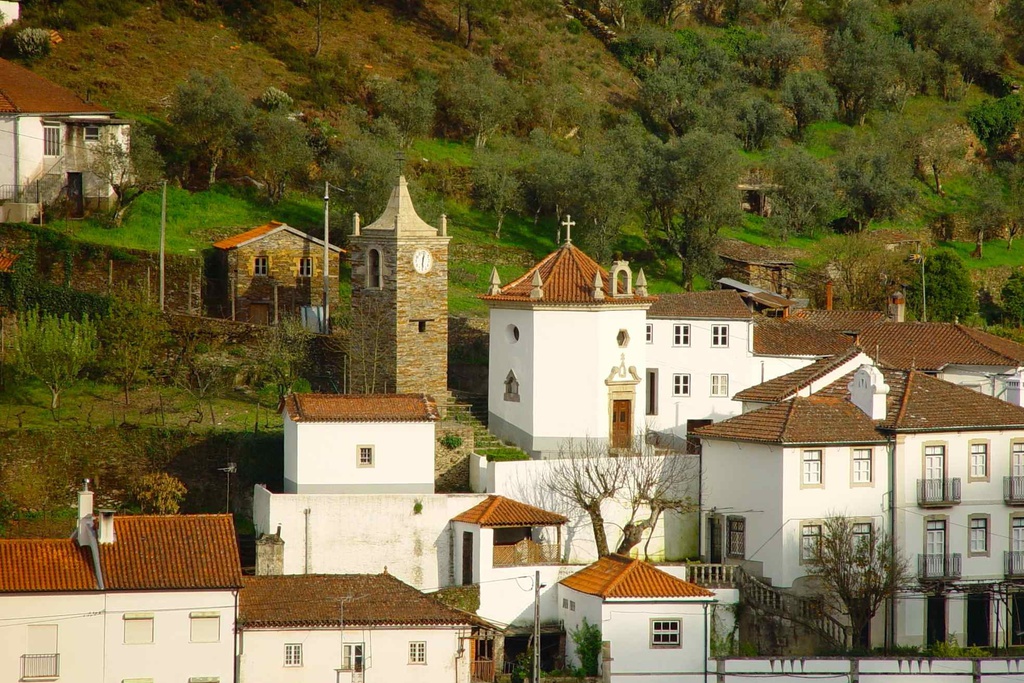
x,y
995,254
435,149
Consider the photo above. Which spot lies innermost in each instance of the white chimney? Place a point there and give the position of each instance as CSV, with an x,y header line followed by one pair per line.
x,y
897,307
84,511
106,534
1012,394
868,391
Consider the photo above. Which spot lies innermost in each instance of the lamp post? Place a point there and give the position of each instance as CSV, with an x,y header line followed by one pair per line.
x,y
919,258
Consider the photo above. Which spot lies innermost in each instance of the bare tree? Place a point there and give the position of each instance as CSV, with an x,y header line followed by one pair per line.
x,y
371,334
858,569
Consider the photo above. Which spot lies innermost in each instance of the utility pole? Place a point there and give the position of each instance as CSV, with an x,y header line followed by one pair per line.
x,y
536,628
163,234
327,257
229,470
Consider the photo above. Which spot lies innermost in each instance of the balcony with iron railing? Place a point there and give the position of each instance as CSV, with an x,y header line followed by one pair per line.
x,y
1013,490
40,667
938,492
1013,564
936,567
525,553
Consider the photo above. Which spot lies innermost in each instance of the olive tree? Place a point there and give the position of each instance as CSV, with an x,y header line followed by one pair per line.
x,y
54,350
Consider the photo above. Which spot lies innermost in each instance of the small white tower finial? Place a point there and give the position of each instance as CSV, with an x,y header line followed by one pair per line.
x,y
495,288
598,292
641,283
538,286
567,224
356,224
444,225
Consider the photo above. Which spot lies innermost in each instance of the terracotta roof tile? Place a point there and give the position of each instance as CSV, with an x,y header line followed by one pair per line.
x,y
153,552
7,260
22,91
785,386
719,303
243,237
840,321
933,346
361,408
615,576
315,600
568,278
788,337
745,252
44,565
802,420
498,511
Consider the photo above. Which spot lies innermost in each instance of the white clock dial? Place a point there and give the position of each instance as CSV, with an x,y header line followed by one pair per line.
x,y
422,261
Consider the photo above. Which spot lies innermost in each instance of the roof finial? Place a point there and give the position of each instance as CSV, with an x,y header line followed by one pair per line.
x,y
444,225
356,224
400,159
495,288
538,286
567,224
598,292
641,283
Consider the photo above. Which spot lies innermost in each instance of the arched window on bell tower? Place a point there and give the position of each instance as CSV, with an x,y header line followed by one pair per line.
x,y
373,269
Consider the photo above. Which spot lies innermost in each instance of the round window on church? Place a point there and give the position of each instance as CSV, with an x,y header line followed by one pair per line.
x,y
512,332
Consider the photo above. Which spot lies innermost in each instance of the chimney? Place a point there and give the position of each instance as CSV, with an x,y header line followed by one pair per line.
x,y
868,391
828,295
106,534
897,307
1012,393
84,511
270,554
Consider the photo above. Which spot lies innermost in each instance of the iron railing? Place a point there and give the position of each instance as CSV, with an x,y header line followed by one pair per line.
x,y
1013,563
938,492
938,567
1013,490
40,666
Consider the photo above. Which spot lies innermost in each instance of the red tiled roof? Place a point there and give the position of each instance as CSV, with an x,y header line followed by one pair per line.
x,y
361,408
498,511
615,576
840,321
243,237
785,386
154,552
933,346
567,275
788,337
802,420
719,303
323,601
745,252
22,91
7,260
44,565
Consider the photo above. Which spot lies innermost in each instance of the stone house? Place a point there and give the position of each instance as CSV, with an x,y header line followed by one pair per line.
x,y
268,272
770,269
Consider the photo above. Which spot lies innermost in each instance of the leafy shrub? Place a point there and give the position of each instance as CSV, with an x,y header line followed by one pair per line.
x,y
994,121
159,492
273,99
587,638
574,26
32,43
451,441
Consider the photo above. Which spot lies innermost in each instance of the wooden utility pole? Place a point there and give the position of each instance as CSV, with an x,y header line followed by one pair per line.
x,y
327,257
163,235
536,628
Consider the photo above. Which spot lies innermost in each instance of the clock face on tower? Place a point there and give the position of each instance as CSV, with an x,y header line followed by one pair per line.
x,y
422,261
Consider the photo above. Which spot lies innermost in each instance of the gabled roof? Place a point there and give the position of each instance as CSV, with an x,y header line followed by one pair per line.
x,y
785,386
25,92
787,337
802,420
152,552
499,511
400,215
31,565
933,346
615,576
840,321
361,408
745,252
261,231
724,304
324,601
567,276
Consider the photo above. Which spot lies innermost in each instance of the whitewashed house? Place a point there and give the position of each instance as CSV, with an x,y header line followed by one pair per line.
x,y
803,382
567,353
658,627
351,627
133,598
48,137
10,11
782,345
359,443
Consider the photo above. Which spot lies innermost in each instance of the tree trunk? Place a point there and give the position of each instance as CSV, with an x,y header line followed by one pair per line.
x,y
501,219
938,180
469,28
126,384
979,246
319,28
632,533
597,522
213,171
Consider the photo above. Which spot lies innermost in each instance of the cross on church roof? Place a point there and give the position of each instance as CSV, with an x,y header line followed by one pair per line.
x,y
568,223
400,159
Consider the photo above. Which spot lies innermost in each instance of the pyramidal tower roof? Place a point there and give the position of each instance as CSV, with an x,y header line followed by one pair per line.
x,y
400,215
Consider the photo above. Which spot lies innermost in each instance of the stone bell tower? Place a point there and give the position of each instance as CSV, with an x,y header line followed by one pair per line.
x,y
399,341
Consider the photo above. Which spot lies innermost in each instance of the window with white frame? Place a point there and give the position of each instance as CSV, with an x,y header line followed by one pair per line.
x,y
352,657
138,628
305,267
680,335
810,542
719,335
205,627
260,265
811,468
1017,459
681,385
51,140
737,539
365,456
293,654
979,461
862,466
862,533
665,632
650,333
978,535
719,385
92,133
418,652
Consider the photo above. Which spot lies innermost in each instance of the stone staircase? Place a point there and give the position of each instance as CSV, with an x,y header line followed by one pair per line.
x,y
806,612
471,410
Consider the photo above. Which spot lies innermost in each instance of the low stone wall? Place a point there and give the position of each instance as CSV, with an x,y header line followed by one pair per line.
x,y
864,670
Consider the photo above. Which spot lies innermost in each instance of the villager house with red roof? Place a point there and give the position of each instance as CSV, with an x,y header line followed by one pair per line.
x,y
937,465
354,627
271,271
48,139
139,598
657,626
359,443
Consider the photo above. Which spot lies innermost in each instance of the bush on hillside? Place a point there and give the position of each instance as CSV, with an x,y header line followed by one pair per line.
x,y
32,43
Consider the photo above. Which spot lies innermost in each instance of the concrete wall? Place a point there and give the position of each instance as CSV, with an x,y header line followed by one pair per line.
x,y
573,608
79,637
626,624
385,651
917,670
988,379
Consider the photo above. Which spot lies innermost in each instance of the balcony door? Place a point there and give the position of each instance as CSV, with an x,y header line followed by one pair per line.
x,y
1018,460
935,548
934,472
1017,535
